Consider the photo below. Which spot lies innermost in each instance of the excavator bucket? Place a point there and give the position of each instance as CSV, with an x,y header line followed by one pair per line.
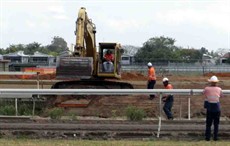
x,y
74,68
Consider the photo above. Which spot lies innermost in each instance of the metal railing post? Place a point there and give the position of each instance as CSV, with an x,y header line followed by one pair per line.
x,y
189,105
180,108
33,106
159,124
189,108
16,106
38,80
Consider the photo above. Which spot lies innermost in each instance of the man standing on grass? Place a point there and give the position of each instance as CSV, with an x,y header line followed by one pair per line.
x,y
212,104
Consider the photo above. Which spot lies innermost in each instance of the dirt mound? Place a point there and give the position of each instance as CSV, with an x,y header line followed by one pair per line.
x,y
45,76
28,77
2,77
221,74
133,76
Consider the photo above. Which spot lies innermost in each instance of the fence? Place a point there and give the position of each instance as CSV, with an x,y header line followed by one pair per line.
x,y
30,93
5,92
178,68
22,95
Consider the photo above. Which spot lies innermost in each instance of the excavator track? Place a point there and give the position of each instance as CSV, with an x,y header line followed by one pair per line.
x,y
83,100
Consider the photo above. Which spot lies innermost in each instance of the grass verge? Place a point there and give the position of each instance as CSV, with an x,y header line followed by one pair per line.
x,y
45,142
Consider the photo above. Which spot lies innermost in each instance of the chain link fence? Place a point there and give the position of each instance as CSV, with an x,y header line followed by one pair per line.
x,y
177,68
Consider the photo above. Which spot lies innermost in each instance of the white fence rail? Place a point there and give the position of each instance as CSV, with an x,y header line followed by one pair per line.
x,y
103,91
28,93
17,73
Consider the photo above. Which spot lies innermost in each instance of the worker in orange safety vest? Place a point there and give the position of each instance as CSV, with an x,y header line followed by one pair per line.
x,y
151,78
168,99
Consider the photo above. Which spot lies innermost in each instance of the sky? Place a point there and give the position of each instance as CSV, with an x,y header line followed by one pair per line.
x,y
192,23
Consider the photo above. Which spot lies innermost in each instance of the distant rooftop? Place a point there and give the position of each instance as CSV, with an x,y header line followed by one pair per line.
x,y
21,53
39,54
15,54
227,55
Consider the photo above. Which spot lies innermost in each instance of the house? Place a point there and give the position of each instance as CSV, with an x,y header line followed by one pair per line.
x,y
224,58
17,57
4,64
42,59
208,60
127,59
19,61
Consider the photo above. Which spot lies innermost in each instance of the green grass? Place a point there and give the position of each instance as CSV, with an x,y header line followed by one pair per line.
x,y
44,142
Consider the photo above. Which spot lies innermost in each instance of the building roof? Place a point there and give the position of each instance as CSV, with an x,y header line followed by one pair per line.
x,y
227,55
39,54
15,54
206,56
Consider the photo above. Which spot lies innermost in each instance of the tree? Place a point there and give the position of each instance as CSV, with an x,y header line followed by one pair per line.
x,y
31,48
157,49
190,55
58,45
2,51
14,48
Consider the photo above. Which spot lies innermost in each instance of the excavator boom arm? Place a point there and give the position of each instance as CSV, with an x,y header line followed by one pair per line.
x,y
82,64
85,35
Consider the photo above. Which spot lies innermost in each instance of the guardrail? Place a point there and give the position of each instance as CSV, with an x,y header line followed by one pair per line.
x,y
20,95
16,92
27,93
17,73
104,91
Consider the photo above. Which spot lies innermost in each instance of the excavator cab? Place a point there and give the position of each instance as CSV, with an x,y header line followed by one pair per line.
x,y
109,60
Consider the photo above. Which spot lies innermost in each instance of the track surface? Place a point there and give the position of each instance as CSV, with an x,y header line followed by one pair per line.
x,y
108,129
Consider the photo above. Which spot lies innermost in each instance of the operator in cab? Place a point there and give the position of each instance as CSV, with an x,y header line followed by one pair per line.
x,y
108,63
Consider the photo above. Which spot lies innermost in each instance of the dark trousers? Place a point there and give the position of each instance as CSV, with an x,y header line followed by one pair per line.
x,y
151,85
167,109
215,118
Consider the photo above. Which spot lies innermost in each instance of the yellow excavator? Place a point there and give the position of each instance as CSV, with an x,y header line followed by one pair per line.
x,y
85,67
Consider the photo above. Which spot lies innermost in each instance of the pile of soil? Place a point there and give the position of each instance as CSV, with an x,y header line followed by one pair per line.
x,y
133,76
222,74
28,77
45,77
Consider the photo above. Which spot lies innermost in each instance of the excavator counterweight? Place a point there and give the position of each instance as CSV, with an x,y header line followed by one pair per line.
x,y
74,68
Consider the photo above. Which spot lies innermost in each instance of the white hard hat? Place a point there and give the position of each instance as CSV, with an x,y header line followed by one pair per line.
x,y
150,64
213,79
165,79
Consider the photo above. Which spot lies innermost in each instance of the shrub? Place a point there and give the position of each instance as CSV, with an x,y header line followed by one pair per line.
x,y
56,113
7,110
134,113
114,113
73,116
25,109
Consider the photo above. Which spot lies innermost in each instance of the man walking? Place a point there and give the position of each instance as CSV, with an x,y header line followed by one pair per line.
x,y
168,99
151,78
212,94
